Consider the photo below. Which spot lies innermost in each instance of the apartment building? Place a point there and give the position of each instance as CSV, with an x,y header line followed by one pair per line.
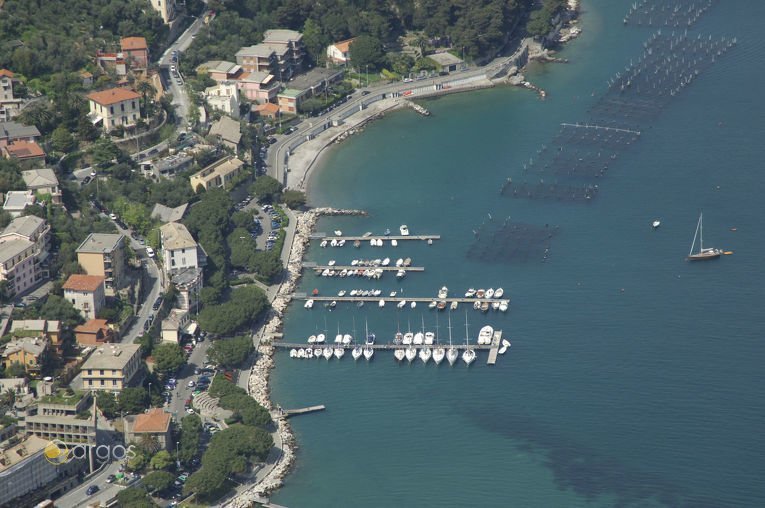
x,y
24,247
9,106
224,97
217,174
104,254
155,423
29,352
136,52
179,250
114,107
86,292
165,8
111,367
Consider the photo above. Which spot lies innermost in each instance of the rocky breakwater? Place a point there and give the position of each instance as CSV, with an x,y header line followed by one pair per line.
x,y
279,465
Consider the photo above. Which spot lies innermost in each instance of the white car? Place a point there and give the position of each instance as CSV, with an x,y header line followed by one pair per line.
x,y
190,411
192,384
150,252
113,216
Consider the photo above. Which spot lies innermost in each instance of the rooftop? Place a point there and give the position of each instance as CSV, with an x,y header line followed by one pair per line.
x,y
92,326
227,128
18,200
224,166
44,177
113,96
344,46
12,248
24,226
268,107
34,325
262,50
314,78
186,276
16,130
445,59
60,396
6,73
133,43
281,35
173,319
101,243
175,236
113,356
79,282
23,149
154,420
32,345
260,77
291,93
167,214
218,66
29,447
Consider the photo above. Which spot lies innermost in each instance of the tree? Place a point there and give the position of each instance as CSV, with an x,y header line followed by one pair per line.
x,y
293,198
5,292
245,305
314,41
134,497
161,460
146,89
157,481
168,357
266,188
191,433
62,140
138,461
59,308
367,51
230,352
15,369
107,403
133,400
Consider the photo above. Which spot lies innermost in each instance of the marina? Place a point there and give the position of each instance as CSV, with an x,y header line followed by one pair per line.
x,y
397,299
315,266
325,236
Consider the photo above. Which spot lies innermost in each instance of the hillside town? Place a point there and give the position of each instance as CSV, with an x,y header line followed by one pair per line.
x,y
145,230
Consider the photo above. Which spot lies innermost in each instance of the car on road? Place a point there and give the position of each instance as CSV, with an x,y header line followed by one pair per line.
x,y
111,478
150,252
365,92
271,141
113,216
86,180
157,303
93,173
91,490
190,411
192,384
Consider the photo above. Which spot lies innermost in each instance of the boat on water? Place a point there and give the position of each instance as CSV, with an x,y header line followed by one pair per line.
x,y
443,292
468,355
410,353
451,353
400,262
495,305
407,262
327,353
323,243
311,339
339,336
425,354
419,338
399,354
308,304
387,231
339,352
655,224
357,243
401,304
301,353
484,306
317,352
368,353
413,304
480,293
381,303
398,338
338,232
341,292
394,243
331,262
432,304
332,304
505,346
340,243
385,262
438,354
477,305
489,293
401,274
503,306
293,353
320,338
486,335
703,254
441,305
470,293
408,339
429,338
404,230
393,294
347,339
454,305
499,292
357,352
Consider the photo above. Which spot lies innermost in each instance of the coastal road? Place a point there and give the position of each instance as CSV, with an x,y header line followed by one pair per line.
x,y
172,79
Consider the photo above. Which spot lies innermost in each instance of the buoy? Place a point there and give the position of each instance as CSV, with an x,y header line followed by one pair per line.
x,y
733,229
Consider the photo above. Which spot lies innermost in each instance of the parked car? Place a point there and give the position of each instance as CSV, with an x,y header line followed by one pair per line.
x,y
113,216
86,180
157,303
110,478
150,252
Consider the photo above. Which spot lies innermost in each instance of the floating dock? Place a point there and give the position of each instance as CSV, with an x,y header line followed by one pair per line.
x,y
315,266
494,347
325,236
396,299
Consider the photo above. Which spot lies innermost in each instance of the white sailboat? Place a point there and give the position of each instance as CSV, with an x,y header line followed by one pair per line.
x,y
339,352
317,352
411,353
439,353
451,353
425,354
702,254
320,338
468,356
368,349
399,354
327,353
357,350
293,353
404,230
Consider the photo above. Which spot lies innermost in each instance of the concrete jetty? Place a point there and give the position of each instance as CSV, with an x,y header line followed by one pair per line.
x,y
303,410
494,347
325,236
314,266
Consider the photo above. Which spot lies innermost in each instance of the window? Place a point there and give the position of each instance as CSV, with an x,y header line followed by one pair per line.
x,y
111,110
122,107
133,104
102,372
102,382
114,382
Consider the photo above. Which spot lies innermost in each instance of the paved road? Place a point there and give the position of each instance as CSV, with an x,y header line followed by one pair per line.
x,y
176,85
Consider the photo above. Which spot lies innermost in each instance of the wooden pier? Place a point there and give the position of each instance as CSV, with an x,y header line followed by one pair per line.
x,y
325,236
303,410
494,348
389,268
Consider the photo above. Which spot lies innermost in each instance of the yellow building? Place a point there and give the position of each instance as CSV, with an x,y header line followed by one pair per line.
x,y
217,174
114,107
104,254
111,367
27,351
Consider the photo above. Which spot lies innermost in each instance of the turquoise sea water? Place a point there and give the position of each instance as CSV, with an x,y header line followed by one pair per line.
x,y
634,379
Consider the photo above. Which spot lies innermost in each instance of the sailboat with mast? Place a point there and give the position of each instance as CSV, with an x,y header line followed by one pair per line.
x,y
702,254
451,353
368,349
468,356
357,350
439,352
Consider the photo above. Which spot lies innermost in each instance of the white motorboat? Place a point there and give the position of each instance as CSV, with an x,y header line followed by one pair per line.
x,y
341,292
399,354
368,353
301,353
656,223
308,304
332,304
311,339
400,262
339,338
454,305
338,232
320,338
404,230
387,231
503,306
357,352
470,293
333,243
411,353
419,337
432,304
408,338
339,352
354,292
317,352
477,305
373,242
438,354
325,273
425,354
499,292
495,305
401,274
323,243
293,353
443,292
327,353
381,303
486,335
340,243
385,262
413,304
468,355
309,353
394,243
429,337
393,294
401,304
480,293
408,262
331,262
380,242
347,339
490,293
355,262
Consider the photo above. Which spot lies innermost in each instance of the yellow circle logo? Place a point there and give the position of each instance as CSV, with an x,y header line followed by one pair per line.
x,y
56,452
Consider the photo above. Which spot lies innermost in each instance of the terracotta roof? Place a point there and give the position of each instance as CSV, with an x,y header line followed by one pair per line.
x,y
133,43
22,149
155,420
344,46
78,282
6,72
113,96
92,326
268,107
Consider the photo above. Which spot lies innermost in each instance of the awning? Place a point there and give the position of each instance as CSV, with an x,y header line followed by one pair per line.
x,y
191,328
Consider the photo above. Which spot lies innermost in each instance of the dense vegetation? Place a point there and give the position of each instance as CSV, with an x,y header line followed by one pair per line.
x,y
45,37
230,353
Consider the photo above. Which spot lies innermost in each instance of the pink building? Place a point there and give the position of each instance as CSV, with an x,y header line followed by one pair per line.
x,y
260,87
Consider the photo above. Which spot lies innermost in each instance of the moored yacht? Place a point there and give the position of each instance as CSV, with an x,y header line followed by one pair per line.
x,y
312,339
468,355
404,230
425,354
443,292
408,338
486,335
438,354
418,339
381,303
308,304
432,304
347,339
339,352
394,243
401,304
320,338
411,353
470,293
399,354
429,336
503,306
293,353
327,353
499,292
357,352
490,293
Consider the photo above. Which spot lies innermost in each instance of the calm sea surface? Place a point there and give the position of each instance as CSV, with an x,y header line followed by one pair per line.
x,y
634,379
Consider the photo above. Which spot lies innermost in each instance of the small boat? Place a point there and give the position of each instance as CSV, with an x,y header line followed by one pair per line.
x,y
408,262
317,352
451,353
505,346
387,231
327,353
373,242
401,304
331,262
394,243
454,305
308,304
477,305
438,354
443,292
357,352
404,230
484,306
301,353
380,242
339,352
429,337
399,354
400,262
323,243
489,293
377,292
503,306
401,274
499,292
320,338
338,232
381,303
432,304
398,338
418,339
702,254
309,353
315,292
495,305
347,339
357,243
468,355
441,305
293,353
728,252
425,354
485,335
656,223
386,262
470,293
332,304
393,294
408,338
340,243
339,338
333,243
413,304
359,304
312,339
480,293
368,353
341,292
411,353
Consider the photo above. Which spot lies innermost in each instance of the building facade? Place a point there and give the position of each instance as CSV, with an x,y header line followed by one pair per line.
x,y
217,174
111,367
103,254
165,8
94,333
136,52
29,352
24,247
339,53
155,423
115,107
86,293
224,97
179,250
